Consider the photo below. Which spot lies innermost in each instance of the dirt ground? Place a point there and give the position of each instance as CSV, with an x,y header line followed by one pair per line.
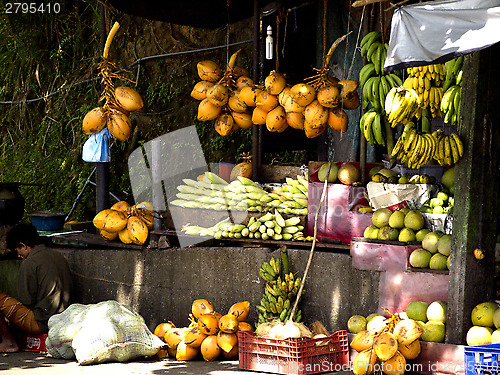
x,y
26,363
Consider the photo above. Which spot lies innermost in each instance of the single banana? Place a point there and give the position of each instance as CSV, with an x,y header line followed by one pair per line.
x,y
459,144
377,130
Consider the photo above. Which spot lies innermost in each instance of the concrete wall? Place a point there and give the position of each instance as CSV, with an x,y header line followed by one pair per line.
x,y
161,284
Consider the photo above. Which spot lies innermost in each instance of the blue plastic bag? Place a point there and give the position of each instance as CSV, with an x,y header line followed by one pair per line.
x,y
96,148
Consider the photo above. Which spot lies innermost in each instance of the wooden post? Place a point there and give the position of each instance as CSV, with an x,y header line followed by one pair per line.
x,y
476,181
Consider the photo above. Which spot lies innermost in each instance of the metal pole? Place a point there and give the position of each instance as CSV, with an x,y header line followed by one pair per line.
x,y
102,169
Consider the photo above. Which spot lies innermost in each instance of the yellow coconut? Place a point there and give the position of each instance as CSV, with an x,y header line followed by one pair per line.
x,y
245,327
338,120
227,341
138,231
276,120
94,121
162,329
394,365
109,236
208,111
302,93
313,130
115,221
275,83
315,113
249,95
348,93
266,101
119,125
364,362
228,323
292,106
243,81
235,104
173,337
233,354
194,337
209,71
240,310
209,348
121,206
239,71
385,345
218,95
259,116
283,95
224,124
242,119
351,102
99,218
411,350
208,324
363,340
295,120
329,96
199,91
201,306
407,331
128,98
147,217
186,352
124,236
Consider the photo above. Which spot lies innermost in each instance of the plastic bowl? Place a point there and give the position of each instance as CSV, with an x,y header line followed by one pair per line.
x,y
48,220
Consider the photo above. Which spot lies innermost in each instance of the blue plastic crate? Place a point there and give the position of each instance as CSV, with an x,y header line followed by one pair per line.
x,y
482,359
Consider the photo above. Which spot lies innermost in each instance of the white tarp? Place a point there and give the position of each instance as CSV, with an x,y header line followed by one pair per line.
x,y
437,31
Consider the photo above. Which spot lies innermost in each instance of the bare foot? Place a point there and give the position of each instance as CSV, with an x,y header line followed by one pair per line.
x,y
8,347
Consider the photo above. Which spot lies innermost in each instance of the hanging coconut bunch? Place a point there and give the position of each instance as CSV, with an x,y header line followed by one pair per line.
x,y
117,102
332,97
129,224
219,95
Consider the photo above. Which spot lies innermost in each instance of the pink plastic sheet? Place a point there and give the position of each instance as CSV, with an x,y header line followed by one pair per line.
x,y
380,256
398,289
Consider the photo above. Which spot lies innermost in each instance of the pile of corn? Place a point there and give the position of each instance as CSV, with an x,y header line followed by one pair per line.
x,y
267,227
212,192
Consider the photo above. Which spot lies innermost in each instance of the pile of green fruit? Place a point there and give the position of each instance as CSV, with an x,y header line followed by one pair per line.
x,y
485,328
431,317
435,252
403,225
385,175
440,203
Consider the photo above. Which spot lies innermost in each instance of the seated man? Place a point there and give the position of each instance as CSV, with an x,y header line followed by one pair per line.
x,y
44,287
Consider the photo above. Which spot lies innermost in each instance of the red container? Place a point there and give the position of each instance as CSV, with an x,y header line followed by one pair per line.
x,y
338,218
30,342
294,356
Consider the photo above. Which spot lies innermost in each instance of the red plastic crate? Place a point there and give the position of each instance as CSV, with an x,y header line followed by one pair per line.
x,y
30,342
295,356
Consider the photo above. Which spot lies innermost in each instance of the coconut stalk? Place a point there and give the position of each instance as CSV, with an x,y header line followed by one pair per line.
x,y
311,253
108,71
321,79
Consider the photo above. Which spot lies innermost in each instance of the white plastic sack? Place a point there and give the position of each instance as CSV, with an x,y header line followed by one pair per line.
x,y
103,332
96,147
437,31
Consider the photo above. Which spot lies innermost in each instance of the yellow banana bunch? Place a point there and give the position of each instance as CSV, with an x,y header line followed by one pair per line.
x,y
427,81
401,105
415,149
449,149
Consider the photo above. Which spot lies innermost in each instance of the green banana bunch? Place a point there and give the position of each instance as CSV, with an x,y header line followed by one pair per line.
x,y
450,104
454,72
372,127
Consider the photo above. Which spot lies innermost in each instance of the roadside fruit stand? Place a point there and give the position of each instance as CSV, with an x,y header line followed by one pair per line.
x,y
390,225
